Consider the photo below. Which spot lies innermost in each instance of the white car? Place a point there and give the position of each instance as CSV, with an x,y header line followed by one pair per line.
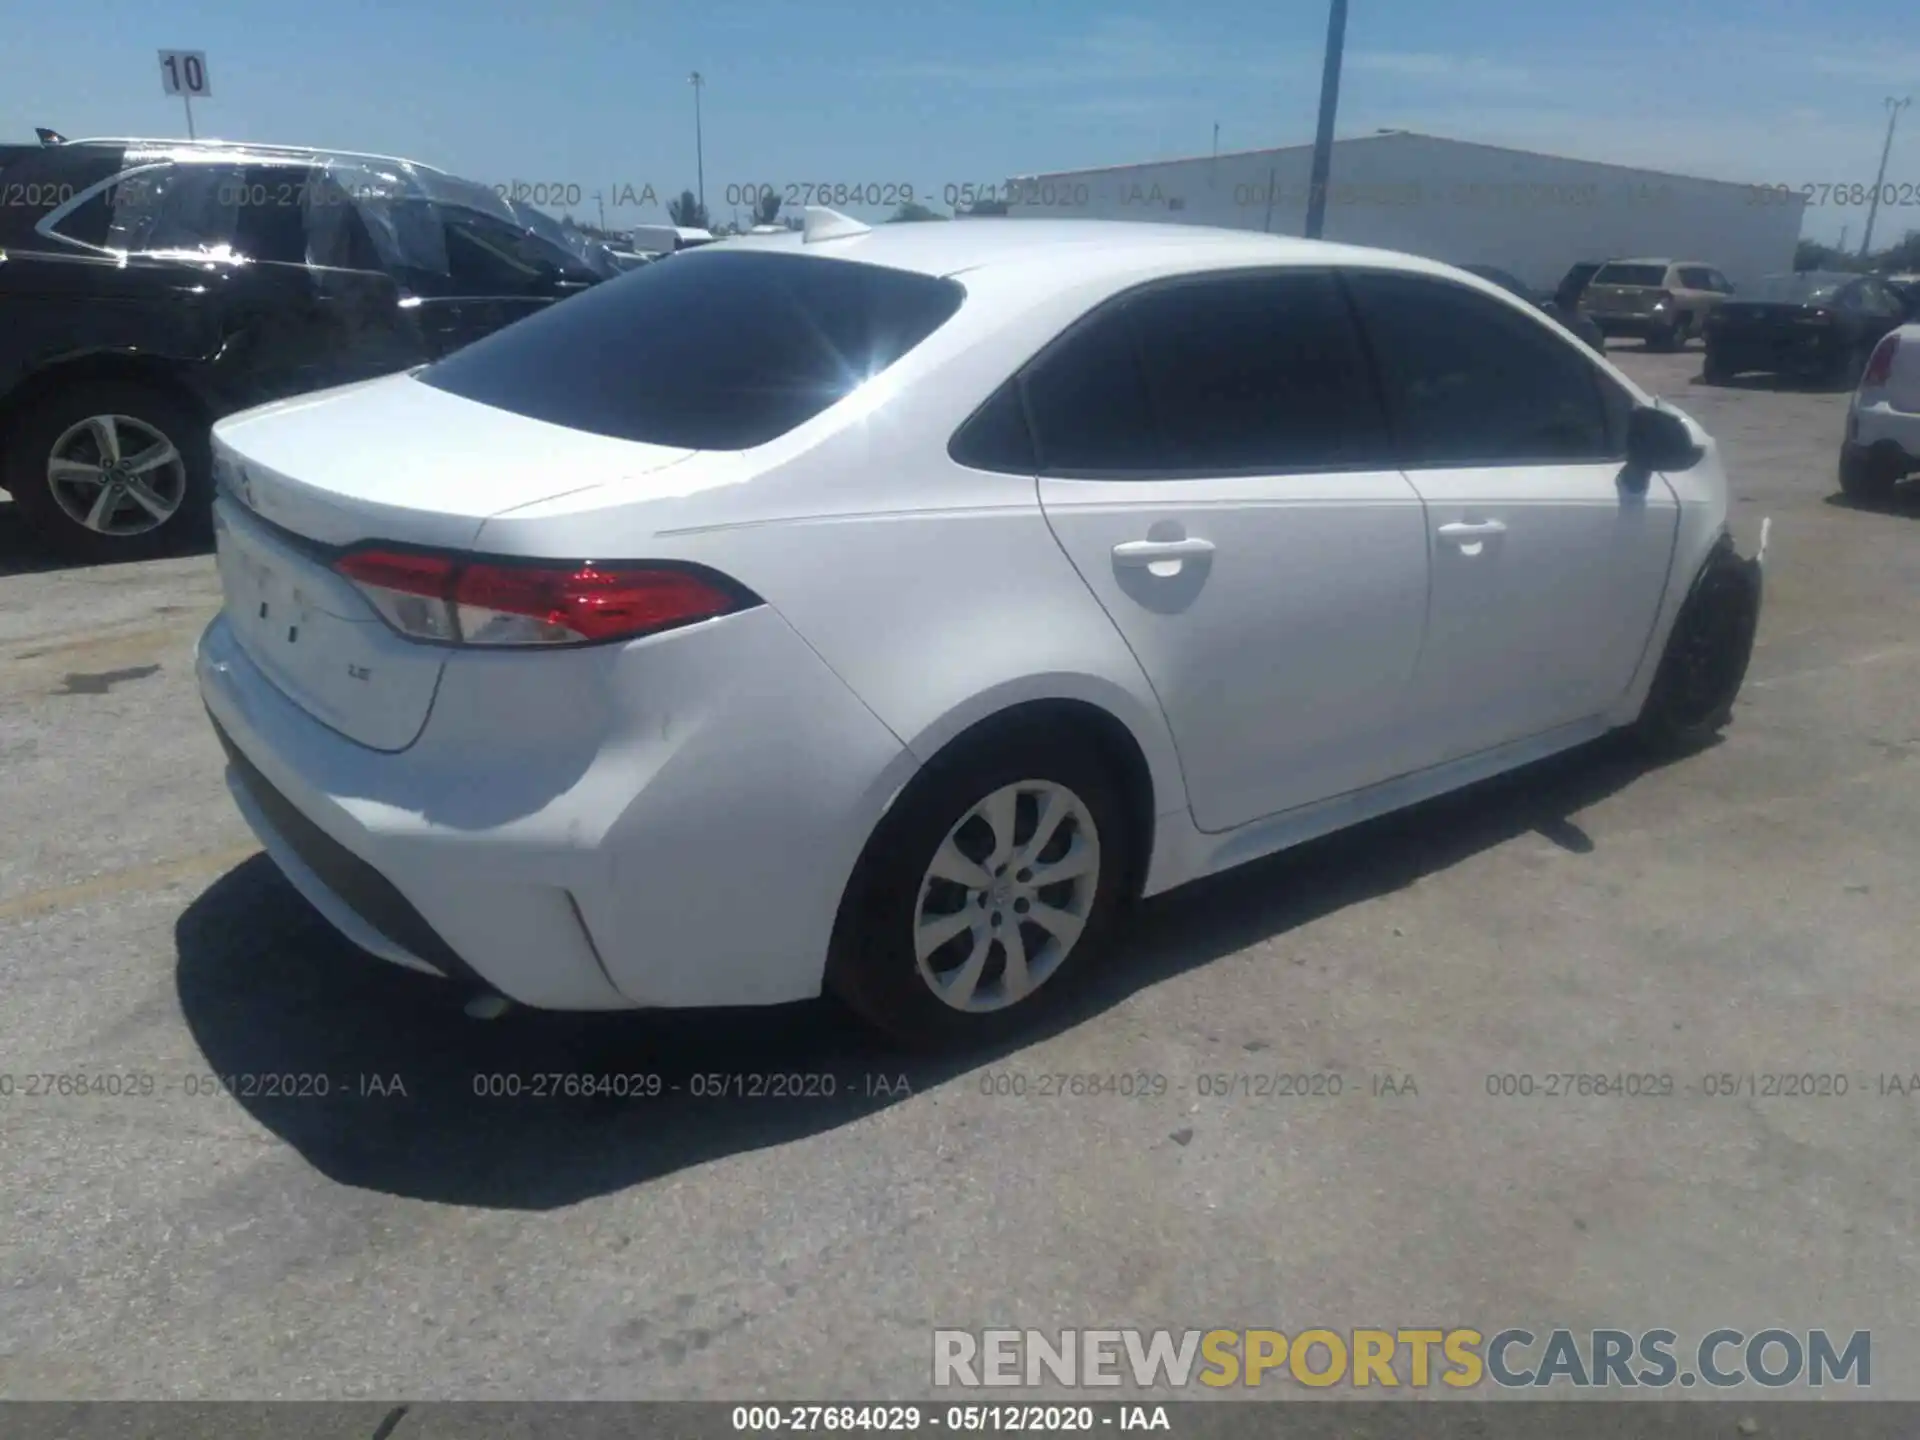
x,y
1882,446
1015,570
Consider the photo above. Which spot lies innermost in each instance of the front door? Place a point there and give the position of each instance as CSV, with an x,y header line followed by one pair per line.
x,y
1212,458
1547,570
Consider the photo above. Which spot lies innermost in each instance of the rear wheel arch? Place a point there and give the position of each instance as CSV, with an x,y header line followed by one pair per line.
x,y
34,415
157,375
1054,742
1110,740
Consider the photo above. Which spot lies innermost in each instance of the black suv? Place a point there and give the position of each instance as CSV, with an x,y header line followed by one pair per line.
x,y
148,288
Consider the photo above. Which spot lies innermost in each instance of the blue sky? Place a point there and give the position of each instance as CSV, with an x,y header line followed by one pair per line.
x,y
594,94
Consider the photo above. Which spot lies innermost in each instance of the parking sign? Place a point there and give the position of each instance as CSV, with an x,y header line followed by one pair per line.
x,y
184,73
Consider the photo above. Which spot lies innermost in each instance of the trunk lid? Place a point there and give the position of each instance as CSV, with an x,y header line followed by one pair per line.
x,y
384,460
1759,314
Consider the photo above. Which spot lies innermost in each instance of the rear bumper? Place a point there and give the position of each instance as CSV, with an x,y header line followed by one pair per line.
x,y
1631,325
661,824
1775,354
1879,426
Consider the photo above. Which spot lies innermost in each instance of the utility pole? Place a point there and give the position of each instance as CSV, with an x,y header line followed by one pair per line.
x,y
1894,107
603,209
1329,105
699,146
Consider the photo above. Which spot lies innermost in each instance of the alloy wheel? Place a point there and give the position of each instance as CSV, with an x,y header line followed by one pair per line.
x,y
1006,896
116,475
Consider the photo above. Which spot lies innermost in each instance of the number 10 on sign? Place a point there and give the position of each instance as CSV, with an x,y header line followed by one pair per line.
x,y
184,73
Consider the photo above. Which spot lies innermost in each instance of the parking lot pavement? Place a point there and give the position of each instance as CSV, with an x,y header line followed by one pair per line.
x,y
1749,911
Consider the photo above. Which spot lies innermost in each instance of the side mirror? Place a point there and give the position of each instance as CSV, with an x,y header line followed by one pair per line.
x,y
1657,440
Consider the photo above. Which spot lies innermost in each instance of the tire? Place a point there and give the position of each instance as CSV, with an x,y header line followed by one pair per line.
x,y
142,417
1668,340
1867,477
875,965
1706,659
1715,372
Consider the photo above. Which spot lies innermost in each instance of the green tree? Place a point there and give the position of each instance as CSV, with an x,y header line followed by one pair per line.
x,y
913,210
1812,255
1900,259
985,207
687,212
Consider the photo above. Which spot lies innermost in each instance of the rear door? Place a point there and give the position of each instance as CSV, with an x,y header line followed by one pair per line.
x,y
1547,572
1214,462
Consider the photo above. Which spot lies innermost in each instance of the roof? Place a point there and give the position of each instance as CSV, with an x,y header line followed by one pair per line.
x,y
1383,137
1081,247
237,148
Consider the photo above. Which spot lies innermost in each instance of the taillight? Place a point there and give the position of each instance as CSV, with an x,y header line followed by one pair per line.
x,y
447,601
1664,299
1880,364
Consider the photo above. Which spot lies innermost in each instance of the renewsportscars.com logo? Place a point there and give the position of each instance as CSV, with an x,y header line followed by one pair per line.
x,y
1415,1358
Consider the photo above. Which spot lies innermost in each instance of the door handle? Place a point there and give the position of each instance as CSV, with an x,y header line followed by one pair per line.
x,y
1152,552
1477,530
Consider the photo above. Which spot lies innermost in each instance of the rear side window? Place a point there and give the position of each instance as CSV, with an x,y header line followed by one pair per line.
x,y
1652,276
271,224
1469,380
1091,411
1697,279
39,183
715,351
998,437
1259,374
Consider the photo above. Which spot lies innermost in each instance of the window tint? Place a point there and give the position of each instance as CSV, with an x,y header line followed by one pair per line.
x,y
489,256
1651,276
40,181
1089,401
1720,282
89,221
715,351
271,224
997,437
1471,381
1878,300
1696,279
1259,373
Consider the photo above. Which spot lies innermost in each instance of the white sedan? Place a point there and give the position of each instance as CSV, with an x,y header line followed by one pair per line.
x,y
1882,446
883,610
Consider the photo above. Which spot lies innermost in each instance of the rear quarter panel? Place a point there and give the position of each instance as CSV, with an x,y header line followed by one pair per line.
x,y
59,308
936,592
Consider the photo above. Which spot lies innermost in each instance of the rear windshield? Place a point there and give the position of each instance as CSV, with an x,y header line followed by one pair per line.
x,y
1653,275
1804,289
719,350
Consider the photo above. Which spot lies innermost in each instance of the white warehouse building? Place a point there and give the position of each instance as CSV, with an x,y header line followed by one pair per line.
x,y
1532,215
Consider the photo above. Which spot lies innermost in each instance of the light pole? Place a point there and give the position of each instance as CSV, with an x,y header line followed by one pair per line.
x,y
699,146
597,200
1329,104
1894,107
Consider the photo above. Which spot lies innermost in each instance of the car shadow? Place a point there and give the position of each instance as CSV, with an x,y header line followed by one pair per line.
x,y
269,990
1777,383
21,552
1904,501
